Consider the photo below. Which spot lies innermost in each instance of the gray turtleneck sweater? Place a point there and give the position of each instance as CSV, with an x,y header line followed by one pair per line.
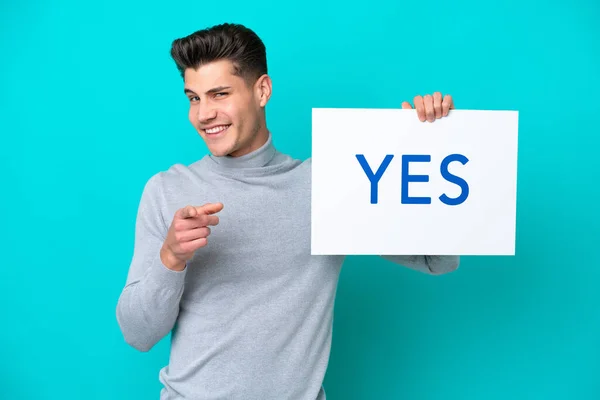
x,y
251,314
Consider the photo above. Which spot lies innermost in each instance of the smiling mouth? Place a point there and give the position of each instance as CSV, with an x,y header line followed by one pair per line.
x,y
216,129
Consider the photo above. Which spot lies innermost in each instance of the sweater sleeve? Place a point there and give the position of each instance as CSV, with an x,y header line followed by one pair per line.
x,y
433,265
148,305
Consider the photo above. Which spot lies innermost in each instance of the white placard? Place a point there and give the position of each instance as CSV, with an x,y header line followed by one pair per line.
x,y
449,187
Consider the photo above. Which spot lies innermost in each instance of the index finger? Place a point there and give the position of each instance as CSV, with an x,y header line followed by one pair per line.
x,y
210,208
418,101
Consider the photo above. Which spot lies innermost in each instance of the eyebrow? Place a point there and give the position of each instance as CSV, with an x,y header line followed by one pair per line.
x,y
213,90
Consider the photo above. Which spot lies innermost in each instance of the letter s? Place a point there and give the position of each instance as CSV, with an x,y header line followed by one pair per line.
x,y
454,179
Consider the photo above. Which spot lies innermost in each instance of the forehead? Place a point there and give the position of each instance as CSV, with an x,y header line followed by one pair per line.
x,y
207,76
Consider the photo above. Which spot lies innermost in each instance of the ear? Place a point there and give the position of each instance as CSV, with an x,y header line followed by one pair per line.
x,y
264,87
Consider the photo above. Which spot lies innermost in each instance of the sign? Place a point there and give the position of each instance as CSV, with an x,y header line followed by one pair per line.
x,y
385,183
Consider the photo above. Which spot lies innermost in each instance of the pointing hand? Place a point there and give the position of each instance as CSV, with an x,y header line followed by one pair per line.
x,y
188,232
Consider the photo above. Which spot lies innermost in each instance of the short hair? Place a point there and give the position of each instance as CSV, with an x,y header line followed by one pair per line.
x,y
233,42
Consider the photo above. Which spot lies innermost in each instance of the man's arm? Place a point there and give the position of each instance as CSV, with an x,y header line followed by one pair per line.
x,y
149,303
433,265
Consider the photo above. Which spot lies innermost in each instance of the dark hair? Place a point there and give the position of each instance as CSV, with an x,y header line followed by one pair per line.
x,y
233,42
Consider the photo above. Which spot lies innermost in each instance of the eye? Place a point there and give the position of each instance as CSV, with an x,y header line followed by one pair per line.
x,y
220,94
192,98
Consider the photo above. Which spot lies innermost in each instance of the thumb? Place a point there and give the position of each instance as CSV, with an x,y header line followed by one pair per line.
x,y
210,208
406,105
187,212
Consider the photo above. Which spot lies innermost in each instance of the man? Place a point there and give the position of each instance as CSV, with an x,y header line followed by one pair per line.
x,y
249,308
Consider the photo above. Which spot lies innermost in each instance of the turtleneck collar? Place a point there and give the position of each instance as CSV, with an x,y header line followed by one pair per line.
x,y
255,159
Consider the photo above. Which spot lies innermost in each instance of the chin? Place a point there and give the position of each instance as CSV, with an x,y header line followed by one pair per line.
x,y
220,147
220,150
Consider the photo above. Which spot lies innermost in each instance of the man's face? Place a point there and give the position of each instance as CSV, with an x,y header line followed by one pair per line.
x,y
225,110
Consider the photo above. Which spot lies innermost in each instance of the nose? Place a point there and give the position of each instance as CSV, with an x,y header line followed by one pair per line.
x,y
206,113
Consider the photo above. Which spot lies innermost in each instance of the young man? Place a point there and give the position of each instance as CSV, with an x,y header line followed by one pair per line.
x,y
249,308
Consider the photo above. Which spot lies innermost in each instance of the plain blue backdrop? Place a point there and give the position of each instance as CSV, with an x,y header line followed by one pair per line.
x,y
91,106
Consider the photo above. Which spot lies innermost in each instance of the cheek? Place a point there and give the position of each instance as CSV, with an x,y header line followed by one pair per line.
x,y
231,113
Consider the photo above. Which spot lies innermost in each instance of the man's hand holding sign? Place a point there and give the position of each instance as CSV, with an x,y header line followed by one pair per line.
x,y
429,108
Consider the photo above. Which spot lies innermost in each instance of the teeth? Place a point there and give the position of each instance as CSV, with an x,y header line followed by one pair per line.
x,y
217,129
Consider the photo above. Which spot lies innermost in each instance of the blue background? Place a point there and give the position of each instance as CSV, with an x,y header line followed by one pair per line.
x,y
91,106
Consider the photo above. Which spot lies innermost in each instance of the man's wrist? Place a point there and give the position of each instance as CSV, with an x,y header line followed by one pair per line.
x,y
170,261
